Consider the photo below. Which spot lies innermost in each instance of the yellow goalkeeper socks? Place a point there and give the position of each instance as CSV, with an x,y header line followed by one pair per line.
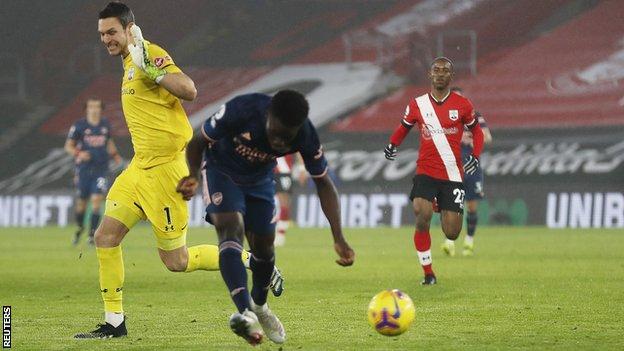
x,y
206,257
111,277
203,257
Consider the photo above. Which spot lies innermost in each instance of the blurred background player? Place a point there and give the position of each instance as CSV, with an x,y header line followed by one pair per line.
x,y
473,183
239,145
91,145
289,168
441,116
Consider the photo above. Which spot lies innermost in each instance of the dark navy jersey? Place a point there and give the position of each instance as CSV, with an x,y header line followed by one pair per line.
x,y
466,145
93,139
240,146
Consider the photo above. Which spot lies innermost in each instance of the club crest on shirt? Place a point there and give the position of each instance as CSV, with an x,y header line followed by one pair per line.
x,y
246,136
217,198
453,115
131,73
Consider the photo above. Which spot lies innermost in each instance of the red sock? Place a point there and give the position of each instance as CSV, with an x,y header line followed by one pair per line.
x,y
422,241
284,213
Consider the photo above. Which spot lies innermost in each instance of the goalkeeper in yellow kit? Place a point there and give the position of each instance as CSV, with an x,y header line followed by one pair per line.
x,y
151,89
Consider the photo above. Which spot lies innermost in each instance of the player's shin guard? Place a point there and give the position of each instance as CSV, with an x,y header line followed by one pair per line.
x,y
422,241
111,277
261,269
203,257
234,273
471,221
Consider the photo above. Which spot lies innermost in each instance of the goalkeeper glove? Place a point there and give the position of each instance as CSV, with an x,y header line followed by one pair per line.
x,y
140,55
391,152
471,165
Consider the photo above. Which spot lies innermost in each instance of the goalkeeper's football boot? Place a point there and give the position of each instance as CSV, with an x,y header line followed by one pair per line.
x,y
430,279
104,331
271,325
468,249
277,282
246,326
448,247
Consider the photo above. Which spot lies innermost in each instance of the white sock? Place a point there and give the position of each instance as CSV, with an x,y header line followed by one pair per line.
x,y
113,318
450,242
468,239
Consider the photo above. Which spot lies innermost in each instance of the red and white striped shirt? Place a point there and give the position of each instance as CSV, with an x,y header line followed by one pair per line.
x,y
441,125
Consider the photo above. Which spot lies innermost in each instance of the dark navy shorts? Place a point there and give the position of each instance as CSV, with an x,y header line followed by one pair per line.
x,y
255,202
474,185
88,183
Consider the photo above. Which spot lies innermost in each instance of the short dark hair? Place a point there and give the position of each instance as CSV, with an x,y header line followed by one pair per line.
x,y
290,107
441,58
118,10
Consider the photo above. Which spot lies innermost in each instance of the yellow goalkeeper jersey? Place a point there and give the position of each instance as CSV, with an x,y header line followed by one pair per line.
x,y
157,122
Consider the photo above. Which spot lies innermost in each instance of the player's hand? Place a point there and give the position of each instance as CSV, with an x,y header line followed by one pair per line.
x,y
187,187
391,152
139,52
471,165
82,156
346,253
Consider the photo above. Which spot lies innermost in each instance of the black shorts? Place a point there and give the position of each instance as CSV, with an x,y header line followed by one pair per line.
x,y
283,182
450,195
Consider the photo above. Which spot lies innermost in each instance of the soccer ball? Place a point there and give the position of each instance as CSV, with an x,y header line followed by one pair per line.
x,y
391,312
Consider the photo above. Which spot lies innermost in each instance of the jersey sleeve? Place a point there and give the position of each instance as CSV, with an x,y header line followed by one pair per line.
x,y
161,59
74,133
227,120
410,118
312,153
468,115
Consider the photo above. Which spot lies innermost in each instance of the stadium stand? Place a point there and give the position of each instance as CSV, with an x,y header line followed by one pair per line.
x,y
566,77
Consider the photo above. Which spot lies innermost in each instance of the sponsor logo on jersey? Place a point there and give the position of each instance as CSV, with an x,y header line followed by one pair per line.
x,y
428,130
131,73
453,115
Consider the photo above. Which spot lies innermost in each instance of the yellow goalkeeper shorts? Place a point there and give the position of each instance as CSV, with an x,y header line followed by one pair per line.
x,y
139,194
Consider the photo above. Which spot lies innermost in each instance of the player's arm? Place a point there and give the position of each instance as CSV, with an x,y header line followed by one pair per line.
x,y
328,196
111,148
179,85
71,146
478,138
159,66
401,131
213,129
316,165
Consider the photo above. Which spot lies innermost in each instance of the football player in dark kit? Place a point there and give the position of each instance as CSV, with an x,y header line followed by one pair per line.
x,y
239,145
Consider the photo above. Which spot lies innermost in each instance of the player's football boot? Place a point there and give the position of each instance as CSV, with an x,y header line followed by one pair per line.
x,y
104,331
468,249
430,279
271,325
277,282
91,241
448,247
246,326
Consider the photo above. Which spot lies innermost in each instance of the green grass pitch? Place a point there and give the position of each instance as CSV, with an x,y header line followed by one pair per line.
x,y
525,289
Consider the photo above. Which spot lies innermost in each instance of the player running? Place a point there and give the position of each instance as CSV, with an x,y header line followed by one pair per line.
x,y
440,117
151,89
473,183
239,145
90,144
